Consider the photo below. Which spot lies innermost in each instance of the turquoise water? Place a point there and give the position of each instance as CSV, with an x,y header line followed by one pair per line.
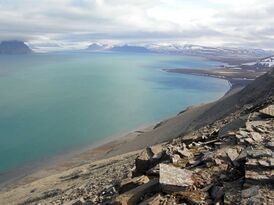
x,y
55,102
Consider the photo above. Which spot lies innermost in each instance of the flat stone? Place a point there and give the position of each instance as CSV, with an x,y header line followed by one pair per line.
x,y
249,140
131,183
256,136
232,126
270,144
268,110
259,177
232,154
250,192
243,133
257,153
256,200
248,126
174,179
133,196
263,163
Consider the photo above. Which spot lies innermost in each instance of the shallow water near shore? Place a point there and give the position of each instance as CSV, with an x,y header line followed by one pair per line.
x,y
55,102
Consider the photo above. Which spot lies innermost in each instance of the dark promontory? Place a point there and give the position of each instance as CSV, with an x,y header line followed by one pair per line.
x,y
14,47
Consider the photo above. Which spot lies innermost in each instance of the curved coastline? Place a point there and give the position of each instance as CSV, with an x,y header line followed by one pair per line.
x,y
105,148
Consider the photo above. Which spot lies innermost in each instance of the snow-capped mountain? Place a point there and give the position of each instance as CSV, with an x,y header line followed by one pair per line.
x,y
186,49
197,50
267,62
264,63
97,47
14,47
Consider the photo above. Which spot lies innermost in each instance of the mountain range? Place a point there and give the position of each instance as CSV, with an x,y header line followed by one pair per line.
x,y
186,49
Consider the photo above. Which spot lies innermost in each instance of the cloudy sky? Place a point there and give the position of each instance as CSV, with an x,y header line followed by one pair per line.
x,y
76,23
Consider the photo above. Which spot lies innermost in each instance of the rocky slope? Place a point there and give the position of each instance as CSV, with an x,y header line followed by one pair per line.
x,y
14,47
225,156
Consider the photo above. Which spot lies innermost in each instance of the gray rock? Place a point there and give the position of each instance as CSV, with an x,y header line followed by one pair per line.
x,y
128,184
256,136
133,196
185,153
257,153
249,140
175,159
174,179
148,159
154,171
232,126
259,176
232,155
250,192
256,200
217,194
243,133
270,144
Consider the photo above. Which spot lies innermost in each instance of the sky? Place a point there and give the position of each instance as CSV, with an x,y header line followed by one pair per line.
x,y
73,24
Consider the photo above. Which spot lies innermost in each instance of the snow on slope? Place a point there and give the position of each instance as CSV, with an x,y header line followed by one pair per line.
x,y
261,64
189,49
268,62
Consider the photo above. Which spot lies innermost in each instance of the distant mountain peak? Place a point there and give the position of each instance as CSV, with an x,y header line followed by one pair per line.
x,y
14,47
96,47
130,48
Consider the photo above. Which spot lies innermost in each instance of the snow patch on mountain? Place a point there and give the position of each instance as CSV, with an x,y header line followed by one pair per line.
x,y
189,49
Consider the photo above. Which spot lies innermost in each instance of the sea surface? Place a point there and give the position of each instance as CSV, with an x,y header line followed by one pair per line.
x,y
54,102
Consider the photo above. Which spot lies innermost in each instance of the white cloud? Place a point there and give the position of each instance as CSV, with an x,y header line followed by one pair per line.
x,y
67,22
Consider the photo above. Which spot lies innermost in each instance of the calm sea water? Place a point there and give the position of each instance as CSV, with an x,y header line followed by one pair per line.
x,y
54,102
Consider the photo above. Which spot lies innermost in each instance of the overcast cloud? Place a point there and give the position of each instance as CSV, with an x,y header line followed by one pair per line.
x,y
76,23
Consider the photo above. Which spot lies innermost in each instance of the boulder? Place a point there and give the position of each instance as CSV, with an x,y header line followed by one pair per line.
x,y
174,179
148,159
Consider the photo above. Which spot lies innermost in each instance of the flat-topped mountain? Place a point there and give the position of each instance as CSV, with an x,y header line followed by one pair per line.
x,y
129,48
14,47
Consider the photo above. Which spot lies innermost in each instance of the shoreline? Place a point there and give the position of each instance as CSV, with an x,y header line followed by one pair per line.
x,y
70,157
109,147
235,77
